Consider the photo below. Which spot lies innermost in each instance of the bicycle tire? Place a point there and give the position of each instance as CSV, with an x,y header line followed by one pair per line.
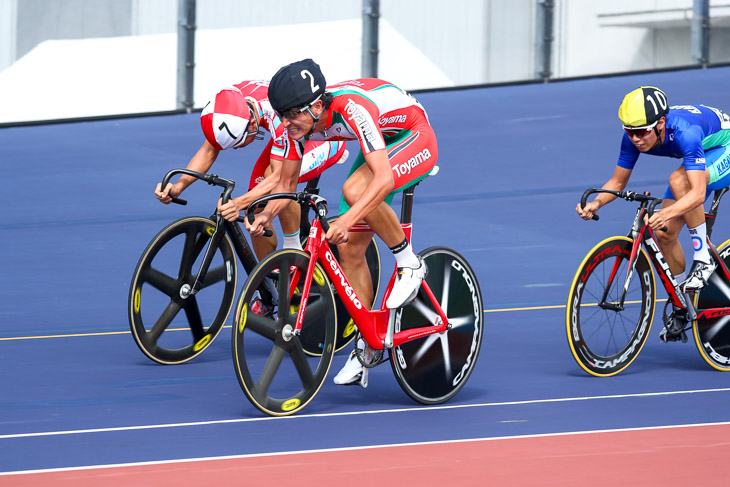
x,y
712,335
604,342
423,370
345,324
276,386
154,299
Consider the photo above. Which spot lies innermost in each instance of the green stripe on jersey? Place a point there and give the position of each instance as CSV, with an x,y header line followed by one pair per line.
x,y
719,139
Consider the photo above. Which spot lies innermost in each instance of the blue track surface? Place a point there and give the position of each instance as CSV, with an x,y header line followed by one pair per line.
x,y
78,210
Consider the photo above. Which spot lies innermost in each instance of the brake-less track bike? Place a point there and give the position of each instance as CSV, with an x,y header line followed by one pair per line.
x,y
184,284
611,302
433,342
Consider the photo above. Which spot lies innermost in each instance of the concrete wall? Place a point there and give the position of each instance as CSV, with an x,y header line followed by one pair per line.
x,y
472,41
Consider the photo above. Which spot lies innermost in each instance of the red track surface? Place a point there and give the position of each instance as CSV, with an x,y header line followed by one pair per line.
x,y
668,456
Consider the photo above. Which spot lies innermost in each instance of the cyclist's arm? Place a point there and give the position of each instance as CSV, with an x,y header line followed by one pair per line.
x,y
263,188
287,184
694,197
377,189
618,182
200,162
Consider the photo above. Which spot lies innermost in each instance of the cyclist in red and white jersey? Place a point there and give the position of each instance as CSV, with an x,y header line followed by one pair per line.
x,y
234,118
398,150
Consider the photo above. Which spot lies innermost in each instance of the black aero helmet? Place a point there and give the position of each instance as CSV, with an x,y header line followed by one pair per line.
x,y
643,106
296,85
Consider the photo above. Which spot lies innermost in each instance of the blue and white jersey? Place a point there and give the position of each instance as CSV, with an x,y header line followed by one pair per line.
x,y
690,131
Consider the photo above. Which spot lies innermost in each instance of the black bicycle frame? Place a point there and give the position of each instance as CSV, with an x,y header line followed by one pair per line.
x,y
642,234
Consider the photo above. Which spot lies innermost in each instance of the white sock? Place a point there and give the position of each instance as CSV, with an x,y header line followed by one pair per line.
x,y
404,256
292,242
699,242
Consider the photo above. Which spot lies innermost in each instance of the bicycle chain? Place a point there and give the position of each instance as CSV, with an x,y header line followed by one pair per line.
x,y
675,324
376,359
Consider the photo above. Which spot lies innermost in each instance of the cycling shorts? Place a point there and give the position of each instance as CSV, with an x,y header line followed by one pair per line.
x,y
718,164
412,154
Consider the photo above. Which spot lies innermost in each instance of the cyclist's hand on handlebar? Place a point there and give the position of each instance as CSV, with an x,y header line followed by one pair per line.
x,y
168,194
229,211
259,224
657,221
588,211
337,233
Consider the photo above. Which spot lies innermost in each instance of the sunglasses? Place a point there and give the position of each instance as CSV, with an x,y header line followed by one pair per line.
x,y
640,131
293,113
247,131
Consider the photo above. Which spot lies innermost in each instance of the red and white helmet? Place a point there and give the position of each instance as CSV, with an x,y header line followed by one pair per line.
x,y
225,119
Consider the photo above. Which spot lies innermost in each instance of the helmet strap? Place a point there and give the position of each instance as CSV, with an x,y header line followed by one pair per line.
x,y
259,135
315,119
659,140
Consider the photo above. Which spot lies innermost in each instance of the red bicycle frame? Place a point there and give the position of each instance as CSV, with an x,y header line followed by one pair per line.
x,y
376,326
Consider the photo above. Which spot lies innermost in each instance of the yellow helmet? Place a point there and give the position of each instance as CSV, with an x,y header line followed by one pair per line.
x,y
643,106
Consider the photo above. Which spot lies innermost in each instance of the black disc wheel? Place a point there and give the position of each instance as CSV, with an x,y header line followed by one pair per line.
x,y
168,326
712,335
345,325
272,367
606,334
433,369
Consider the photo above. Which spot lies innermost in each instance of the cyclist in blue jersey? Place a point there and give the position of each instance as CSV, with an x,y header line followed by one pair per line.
x,y
697,134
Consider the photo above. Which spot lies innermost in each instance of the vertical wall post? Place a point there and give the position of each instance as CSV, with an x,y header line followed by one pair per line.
x,y
185,53
544,39
370,19
701,32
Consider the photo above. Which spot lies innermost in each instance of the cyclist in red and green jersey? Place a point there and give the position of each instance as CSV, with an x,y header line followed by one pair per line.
x,y
398,149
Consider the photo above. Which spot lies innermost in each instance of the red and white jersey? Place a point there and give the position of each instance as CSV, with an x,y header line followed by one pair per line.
x,y
258,92
318,156
367,110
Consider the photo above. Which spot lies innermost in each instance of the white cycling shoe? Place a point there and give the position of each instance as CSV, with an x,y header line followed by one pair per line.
x,y
406,285
352,373
698,276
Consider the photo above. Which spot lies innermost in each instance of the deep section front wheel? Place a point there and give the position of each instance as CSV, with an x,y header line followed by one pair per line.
x,y
433,369
272,367
712,335
168,327
606,333
346,329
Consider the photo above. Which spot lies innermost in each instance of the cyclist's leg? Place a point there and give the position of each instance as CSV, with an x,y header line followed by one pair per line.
x,y
669,241
262,246
716,175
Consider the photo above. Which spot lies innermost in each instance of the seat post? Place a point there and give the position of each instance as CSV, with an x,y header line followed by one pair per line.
x,y
406,209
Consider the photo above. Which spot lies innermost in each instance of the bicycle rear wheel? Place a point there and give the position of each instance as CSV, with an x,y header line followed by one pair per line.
x,y
155,303
431,370
712,335
605,338
345,324
272,368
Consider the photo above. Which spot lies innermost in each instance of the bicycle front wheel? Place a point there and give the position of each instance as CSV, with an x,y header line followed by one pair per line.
x,y
272,367
431,370
712,335
155,301
604,333
345,324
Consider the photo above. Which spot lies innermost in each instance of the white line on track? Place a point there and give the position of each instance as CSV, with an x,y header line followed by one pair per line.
x,y
358,448
358,413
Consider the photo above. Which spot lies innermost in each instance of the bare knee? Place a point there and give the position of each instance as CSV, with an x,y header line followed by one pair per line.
x,y
679,183
668,237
